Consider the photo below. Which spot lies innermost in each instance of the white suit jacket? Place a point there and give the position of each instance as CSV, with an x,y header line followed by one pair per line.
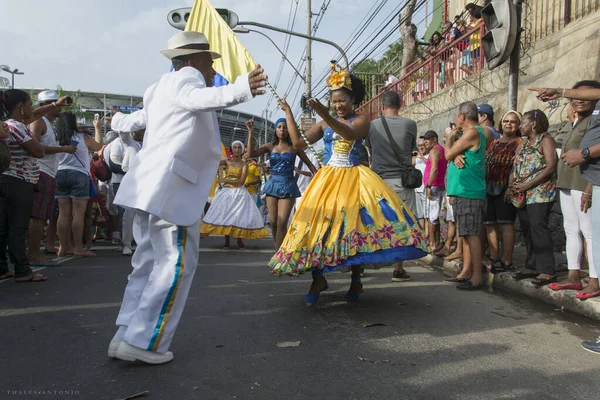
x,y
173,173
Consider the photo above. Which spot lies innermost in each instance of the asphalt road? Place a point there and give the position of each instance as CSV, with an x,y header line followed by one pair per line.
x,y
436,342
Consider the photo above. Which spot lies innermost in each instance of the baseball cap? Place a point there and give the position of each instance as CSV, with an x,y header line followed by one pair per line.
x,y
47,95
486,109
429,135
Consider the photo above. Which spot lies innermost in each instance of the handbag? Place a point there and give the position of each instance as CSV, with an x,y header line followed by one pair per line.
x,y
4,157
412,178
519,200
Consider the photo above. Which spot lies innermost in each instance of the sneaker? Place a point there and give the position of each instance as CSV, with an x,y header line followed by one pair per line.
x,y
400,276
127,251
593,346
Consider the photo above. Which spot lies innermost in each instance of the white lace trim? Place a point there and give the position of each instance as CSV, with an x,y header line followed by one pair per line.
x,y
340,161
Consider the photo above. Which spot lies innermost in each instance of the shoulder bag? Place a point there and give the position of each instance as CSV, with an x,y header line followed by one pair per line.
x,y
412,178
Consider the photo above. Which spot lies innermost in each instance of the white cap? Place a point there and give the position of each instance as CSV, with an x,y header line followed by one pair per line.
x,y
47,95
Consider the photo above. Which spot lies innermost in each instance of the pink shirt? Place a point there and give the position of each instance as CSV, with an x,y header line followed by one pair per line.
x,y
441,172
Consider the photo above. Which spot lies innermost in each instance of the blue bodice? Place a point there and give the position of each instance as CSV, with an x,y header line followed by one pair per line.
x,y
345,152
282,163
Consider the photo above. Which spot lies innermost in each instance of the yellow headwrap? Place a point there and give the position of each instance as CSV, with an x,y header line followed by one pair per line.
x,y
339,78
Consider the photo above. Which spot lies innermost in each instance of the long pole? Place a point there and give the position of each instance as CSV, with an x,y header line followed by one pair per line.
x,y
316,39
513,71
13,80
308,80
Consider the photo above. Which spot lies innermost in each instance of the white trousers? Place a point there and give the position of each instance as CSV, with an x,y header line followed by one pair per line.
x,y
163,269
127,227
576,223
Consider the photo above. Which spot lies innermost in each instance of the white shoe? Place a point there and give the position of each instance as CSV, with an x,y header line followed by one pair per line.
x,y
127,251
112,348
128,352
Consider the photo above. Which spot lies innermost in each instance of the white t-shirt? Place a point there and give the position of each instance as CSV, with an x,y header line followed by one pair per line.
x,y
420,165
78,161
49,164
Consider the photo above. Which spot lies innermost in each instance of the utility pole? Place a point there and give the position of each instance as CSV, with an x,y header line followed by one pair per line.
x,y
514,63
308,79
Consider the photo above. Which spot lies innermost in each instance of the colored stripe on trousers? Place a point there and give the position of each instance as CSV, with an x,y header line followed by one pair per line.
x,y
165,312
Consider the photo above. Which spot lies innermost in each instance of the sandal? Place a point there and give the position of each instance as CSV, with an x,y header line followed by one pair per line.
x,y
34,277
524,275
496,267
7,275
586,295
543,281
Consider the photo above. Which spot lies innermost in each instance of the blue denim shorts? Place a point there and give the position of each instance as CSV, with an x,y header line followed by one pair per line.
x,y
72,184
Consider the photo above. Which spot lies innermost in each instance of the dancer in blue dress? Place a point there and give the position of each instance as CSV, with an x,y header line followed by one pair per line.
x,y
280,189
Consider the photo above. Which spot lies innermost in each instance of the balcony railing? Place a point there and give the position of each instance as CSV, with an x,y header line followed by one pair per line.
x,y
464,56
453,62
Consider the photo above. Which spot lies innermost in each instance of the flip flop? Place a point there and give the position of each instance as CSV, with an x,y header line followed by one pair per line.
x,y
8,275
585,295
568,286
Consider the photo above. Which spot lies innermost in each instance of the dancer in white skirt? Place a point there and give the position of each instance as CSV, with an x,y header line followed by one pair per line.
x,y
233,212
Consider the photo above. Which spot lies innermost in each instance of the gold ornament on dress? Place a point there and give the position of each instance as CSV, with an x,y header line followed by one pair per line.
x,y
339,78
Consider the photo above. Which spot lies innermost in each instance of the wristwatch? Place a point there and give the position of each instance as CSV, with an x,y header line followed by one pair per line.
x,y
585,153
428,186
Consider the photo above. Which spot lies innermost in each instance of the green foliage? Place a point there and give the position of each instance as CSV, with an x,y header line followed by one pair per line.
x,y
75,108
389,63
368,65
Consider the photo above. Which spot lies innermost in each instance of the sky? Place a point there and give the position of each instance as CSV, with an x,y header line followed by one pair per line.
x,y
113,46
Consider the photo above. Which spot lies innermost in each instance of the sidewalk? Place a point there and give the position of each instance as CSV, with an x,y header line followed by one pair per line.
x,y
562,299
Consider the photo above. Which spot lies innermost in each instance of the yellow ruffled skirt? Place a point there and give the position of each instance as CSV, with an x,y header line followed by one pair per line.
x,y
348,216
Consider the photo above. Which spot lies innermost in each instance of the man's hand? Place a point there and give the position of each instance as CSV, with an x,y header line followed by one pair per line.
x,y
546,94
257,80
319,108
63,101
459,161
98,123
586,201
250,125
429,194
572,158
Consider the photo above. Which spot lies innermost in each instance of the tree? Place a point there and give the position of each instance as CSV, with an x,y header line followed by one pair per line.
x,y
408,30
368,65
75,107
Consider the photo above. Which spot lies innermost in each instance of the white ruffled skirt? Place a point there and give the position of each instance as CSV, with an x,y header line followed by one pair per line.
x,y
233,212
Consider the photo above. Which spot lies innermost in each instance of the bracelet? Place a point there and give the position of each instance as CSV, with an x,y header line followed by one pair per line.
x,y
563,93
54,104
586,194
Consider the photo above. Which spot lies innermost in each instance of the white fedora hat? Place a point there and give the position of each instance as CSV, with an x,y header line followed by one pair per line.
x,y
188,42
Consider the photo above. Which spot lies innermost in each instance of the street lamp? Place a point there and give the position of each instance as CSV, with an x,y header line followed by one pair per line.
x,y
14,72
246,30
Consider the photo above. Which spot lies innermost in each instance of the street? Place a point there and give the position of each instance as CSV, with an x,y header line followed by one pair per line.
x,y
428,340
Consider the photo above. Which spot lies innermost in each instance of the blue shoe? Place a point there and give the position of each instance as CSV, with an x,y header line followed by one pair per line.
x,y
593,346
351,297
312,298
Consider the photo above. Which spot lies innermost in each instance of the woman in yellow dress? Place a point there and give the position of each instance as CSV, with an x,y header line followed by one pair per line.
x,y
233,212
348,216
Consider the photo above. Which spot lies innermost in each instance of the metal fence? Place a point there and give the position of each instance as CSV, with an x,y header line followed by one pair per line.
x,y
464,56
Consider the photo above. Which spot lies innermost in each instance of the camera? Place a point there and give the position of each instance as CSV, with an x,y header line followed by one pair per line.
x,y
69,100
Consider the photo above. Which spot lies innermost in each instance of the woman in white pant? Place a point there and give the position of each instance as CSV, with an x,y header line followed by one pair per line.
x,y
575,198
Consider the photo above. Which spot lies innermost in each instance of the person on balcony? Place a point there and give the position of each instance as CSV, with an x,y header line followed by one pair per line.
x,y
473,53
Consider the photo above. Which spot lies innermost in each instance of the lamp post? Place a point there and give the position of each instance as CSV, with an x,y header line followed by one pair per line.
x,y
246,30
14,72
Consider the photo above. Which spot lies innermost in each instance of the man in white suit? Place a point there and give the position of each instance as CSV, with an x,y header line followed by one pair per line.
x,y
167,185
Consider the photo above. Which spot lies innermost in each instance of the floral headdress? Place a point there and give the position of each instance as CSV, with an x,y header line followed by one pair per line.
x,y
339,78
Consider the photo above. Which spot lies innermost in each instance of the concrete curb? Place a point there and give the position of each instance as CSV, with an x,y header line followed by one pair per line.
x,y
562,299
